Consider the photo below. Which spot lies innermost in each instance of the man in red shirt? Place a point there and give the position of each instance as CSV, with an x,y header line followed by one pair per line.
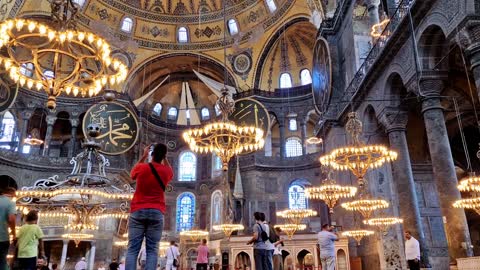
x,y
148,205
202,256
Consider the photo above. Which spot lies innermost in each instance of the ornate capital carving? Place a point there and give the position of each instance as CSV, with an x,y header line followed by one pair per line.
x,y
431,86
74,122
469,35
26,115
394,119
51,120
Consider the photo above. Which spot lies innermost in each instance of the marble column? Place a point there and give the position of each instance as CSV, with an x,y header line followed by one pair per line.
x,y
23,133
373,15
63,259
470,38
91,259
48,136
281,128
456,227
395,123
73,141
303,132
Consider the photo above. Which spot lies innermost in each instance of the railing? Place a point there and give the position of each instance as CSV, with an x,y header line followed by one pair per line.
x,y
278,92
270,163
378,47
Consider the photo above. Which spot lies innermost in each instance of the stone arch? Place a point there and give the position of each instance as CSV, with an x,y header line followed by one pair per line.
x,y
242,261
395,90
372,129
305,259
342,261
432,48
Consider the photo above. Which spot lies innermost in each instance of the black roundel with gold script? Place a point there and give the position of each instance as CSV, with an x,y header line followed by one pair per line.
x,y
249,112
118,127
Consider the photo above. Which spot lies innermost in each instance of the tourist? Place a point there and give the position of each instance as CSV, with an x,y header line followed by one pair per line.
x,y
272,238
202,256
260,255
172,256
7,220
42,264
326,242
81,265
277,253
412,251
29,242
148,205
113,265
122,264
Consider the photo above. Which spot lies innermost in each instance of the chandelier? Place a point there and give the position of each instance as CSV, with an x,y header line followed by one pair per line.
x,y
383,223
365,206
469,184
77,237
330,192
85,196
468,203
358,157
296,216
358,235
314,140
194,235
228,228
290,229
34,138
58,59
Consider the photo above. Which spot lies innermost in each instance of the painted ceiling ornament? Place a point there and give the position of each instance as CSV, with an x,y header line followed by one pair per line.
x,y
85,196
242,63
321,75
8,95
58,60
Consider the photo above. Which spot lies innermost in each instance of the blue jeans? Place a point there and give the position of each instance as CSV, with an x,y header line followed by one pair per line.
x,y
263,259
148,224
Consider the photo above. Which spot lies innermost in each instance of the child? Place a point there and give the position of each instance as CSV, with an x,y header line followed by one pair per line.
x,y
29,242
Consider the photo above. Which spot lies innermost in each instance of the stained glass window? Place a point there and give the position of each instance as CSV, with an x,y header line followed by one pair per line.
x,y
187,167
296,197
127,25
305,77
7,129
185,211
172,113
217,162
293,147
292,124
157,109
216,208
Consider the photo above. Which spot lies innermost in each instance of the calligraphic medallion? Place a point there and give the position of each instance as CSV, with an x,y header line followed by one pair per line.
x,y
250,112
321,75
7,95
118,127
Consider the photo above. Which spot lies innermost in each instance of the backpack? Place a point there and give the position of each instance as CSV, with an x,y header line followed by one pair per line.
x,y
273,237
263,234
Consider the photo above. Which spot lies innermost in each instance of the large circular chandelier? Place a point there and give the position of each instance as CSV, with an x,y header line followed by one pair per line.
x,y
194,235
296,216
469,184
228,228
358,235
358,157
330,192
60,59
468,203
224,138
383,223
291,229
366,206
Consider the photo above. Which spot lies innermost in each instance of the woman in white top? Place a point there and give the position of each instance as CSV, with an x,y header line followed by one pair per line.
x,y
277,252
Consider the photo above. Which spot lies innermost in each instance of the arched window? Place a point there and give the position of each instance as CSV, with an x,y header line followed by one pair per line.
x,y
127,25
79,2
157,109
187,114
187,168
305,77
271,5
7,129
232,27
293,147
217,110
182,34
27,69
185,211
292,124
49,74
285,80
216,208
217,162
172,113
296,197
205,114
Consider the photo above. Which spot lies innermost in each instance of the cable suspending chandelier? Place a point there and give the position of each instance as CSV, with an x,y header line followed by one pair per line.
x,y
85,196
58,59
358,157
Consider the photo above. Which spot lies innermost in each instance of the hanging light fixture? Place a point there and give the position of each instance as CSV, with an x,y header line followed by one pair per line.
x,y
34,138
290,229
383,223
194,235
365,206
358,235
358,157
77,237
58,60
314,140
228,228
330,192
296,216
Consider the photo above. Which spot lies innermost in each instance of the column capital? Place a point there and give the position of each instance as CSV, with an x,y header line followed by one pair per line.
x,y
74,122
394,119
432,84
26,114
51,120
372,3
469,35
